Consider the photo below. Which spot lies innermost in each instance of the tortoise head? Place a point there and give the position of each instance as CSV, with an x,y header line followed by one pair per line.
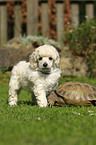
x,y
55,100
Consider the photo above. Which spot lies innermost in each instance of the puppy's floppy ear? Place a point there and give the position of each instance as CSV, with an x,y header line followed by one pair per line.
x,y
57,61
33,60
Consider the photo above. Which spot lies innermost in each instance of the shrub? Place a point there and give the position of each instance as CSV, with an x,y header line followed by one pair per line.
x,y
30,42
82,41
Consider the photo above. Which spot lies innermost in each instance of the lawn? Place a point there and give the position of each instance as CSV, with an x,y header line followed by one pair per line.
x,y
30,125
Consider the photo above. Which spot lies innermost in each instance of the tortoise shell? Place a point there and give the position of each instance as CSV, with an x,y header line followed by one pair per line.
x,y
73,93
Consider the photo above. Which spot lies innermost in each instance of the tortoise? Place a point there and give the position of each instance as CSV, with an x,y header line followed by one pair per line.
x,y
73,93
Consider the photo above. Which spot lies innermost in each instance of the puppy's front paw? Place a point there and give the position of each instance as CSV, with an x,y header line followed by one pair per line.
x,y
43,105
12,103
42,101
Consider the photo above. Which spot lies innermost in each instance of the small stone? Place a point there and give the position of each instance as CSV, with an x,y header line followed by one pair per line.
x,y
90,111
39,118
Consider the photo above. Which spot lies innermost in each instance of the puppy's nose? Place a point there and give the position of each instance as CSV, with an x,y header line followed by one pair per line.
x,y
45,64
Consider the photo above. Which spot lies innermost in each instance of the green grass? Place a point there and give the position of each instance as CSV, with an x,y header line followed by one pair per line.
x,y
30,125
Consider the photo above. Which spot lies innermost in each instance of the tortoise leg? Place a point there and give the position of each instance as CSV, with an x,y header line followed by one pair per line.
x,y
52,98
93,102
56,100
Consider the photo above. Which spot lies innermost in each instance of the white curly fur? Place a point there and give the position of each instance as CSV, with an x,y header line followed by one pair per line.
x,y
39,76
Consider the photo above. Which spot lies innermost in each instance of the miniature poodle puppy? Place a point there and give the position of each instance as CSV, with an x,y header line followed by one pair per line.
x,y
39,76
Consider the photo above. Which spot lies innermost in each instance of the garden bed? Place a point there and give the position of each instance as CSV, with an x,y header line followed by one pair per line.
x,y
20,48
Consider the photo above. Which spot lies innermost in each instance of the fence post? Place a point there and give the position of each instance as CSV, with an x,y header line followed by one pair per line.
x,y
44,19
32,17
89,11
0,25
17,26
94,9
75,14
3,23
60,21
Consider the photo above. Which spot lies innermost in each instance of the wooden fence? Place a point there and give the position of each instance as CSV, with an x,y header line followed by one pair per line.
x,y
87,8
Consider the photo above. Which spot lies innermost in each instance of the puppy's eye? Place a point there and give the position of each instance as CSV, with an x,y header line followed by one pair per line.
x,y
50,58
40,58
